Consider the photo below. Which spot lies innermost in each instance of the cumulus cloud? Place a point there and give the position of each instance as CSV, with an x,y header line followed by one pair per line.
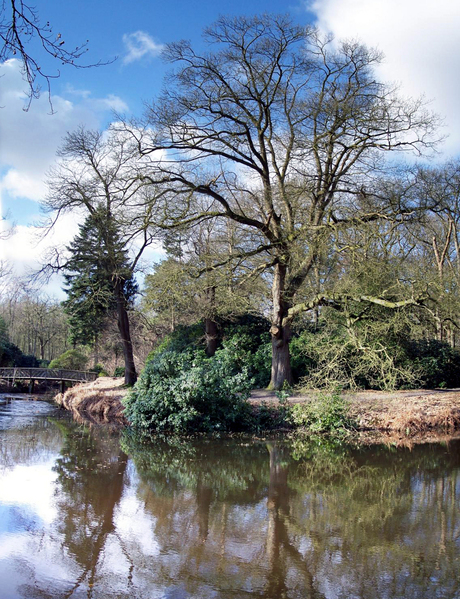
x,y
139,45
29,140
20,184
112,102
420,42
28,144
27,248
82,93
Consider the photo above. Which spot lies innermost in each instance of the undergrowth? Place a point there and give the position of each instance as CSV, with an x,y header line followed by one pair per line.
x,y
188,392
327,413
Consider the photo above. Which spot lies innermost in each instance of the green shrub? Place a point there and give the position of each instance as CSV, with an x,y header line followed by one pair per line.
x,y
188,392
327,413
100,370
251,333
184,337
261,363
438,364
248,333
254,327
119,371
72,359
11,355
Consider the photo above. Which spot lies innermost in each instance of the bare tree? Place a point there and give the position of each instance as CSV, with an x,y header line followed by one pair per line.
x,y
437,237
98,177
20,23
187,286
283,133
36,324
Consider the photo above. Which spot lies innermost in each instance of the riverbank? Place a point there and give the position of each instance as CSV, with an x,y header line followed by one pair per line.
x,y
98,401
396,415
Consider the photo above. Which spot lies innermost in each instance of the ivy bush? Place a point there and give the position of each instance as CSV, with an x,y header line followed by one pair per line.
x,y
100,370
188,392
72,359
437,363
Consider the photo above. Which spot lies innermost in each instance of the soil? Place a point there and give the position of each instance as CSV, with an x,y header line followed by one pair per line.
x,y
402,417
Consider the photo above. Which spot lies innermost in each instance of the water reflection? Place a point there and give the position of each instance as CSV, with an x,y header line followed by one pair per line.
x,y
324,521
223,518
90,472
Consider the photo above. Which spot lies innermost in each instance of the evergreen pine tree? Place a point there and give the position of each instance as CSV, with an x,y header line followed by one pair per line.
x,y
99,281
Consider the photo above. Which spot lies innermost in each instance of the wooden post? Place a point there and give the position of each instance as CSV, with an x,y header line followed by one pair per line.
x,y
62,386
31,385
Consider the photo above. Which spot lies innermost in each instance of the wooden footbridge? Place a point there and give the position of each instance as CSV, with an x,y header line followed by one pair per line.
x,y
11,375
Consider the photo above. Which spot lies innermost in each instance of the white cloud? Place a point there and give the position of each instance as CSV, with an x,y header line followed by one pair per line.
x,y
138,45
112,102
82,93
32,486
26,250
20,184
27,246
29,140
420,42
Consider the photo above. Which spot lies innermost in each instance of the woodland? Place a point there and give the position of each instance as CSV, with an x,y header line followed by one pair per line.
x,y
310,234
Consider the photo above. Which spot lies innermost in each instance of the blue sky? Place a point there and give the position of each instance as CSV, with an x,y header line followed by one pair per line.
x,y
421,44
114,27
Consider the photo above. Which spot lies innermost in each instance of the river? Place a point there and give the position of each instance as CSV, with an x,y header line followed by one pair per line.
x,y
95,513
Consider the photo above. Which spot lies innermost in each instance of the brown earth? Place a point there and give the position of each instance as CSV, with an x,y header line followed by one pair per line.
x,y
419,414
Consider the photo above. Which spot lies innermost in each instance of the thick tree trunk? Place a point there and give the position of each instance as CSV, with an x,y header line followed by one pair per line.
x,y
123,327
212,336
281,335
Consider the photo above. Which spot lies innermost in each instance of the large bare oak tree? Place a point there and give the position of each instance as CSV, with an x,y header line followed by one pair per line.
x,y
284,133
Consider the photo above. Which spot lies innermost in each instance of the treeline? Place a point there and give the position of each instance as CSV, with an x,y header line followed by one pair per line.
x,y
37,331
271,171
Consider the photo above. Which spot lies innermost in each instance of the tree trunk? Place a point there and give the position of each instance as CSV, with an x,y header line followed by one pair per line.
x,y
211,331
281,335
123,327
96,351
212,336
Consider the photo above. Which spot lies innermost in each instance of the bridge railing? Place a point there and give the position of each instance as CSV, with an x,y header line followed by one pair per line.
x,y
49,374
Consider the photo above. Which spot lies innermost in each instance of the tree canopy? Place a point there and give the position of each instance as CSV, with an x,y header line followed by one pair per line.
x,y
284,133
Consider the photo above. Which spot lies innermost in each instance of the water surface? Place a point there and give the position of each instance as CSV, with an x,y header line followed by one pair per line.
x,y
89,513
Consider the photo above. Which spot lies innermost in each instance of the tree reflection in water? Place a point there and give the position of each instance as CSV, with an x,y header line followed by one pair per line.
x,y
91,474
319,519
228,518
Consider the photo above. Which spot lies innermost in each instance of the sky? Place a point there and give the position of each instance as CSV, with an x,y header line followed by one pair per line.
x,y
419,39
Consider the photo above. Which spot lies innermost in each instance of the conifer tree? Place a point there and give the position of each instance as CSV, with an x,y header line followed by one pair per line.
x,y
98,175
100,281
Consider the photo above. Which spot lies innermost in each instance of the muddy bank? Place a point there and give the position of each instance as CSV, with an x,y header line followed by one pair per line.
x,y
396,416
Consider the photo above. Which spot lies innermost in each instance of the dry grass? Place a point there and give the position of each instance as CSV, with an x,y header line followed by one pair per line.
x,y
410,412
100,400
